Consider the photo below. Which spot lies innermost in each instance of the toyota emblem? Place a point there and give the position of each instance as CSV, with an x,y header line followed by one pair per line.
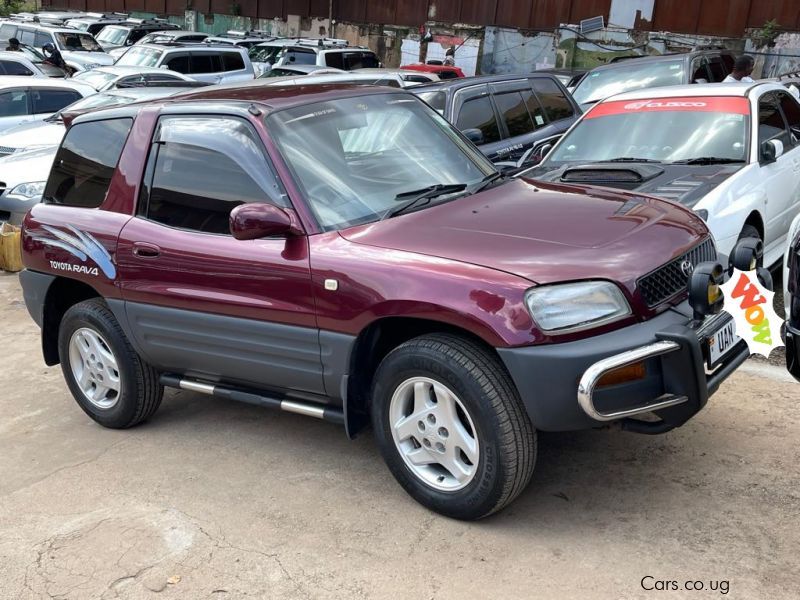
x,y
687,267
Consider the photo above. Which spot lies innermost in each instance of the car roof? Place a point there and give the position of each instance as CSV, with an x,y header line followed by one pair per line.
x,y
192,46
14,55
145,92
621,64
269,97
11,81
310,68
461,82
695,90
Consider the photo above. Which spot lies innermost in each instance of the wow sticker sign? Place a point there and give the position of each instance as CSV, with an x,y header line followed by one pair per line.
x,y
750,305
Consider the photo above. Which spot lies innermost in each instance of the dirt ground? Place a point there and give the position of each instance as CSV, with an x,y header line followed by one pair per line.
x,y
222,500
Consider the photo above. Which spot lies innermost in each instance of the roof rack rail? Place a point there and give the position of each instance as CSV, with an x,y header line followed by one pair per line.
x,y
150,21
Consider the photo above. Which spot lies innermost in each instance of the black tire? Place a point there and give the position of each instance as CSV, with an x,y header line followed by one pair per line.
x,y
506,437
140,392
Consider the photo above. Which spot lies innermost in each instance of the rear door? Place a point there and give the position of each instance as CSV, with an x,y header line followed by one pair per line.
x,y
199,301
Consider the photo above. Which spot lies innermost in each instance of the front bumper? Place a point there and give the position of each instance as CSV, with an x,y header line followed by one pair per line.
x,y
14,208
558,383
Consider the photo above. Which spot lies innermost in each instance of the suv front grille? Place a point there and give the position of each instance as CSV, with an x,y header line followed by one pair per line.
x,y
669,280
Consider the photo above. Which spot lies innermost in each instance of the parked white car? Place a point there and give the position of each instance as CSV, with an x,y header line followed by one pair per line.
x,y
409,78
23,99
79,49
28,63
203,62
118,77
730,152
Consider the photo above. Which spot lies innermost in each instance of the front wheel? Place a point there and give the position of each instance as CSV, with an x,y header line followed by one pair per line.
x,y
451,427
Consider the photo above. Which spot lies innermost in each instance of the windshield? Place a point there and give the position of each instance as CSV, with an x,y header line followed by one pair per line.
x,y
435,99
32,53
353,156
601,84
115,36
77,41
265,54
95,78
282,72
666,130
140,57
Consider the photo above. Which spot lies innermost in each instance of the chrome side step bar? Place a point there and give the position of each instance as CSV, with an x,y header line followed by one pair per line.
x,y
333,414
594,373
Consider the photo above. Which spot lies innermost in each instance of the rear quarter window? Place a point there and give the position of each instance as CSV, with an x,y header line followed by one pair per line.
x,y
554,101
232,61
85,163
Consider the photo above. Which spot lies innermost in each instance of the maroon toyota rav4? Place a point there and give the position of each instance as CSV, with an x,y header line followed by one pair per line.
x,y
346,254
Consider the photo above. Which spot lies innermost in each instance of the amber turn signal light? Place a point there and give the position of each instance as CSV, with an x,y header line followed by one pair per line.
x,y
625,374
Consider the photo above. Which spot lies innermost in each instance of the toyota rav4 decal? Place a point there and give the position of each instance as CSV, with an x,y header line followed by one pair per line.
x,y
82,246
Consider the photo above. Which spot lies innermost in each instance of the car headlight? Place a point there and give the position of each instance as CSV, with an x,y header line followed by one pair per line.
x,y
28,190
570,307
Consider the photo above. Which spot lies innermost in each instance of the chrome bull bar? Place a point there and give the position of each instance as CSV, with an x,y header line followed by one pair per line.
x,y
594,373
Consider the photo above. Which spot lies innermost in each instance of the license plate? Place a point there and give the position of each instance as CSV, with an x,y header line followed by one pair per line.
x,y
721,343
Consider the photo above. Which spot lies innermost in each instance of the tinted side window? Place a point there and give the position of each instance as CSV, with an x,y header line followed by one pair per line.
x,y
232,61
13,103
717,69
42,39
770,120
300,57
50,101
198,178
448,75
85,163
11,67
7,31
135,35
555,103
478,113
698,70
179,63
514,113
791,111
335,60
26,37
203,62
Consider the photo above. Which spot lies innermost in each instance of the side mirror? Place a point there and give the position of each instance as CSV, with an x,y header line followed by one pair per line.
x,y
259,220
474,135
770,151
545,150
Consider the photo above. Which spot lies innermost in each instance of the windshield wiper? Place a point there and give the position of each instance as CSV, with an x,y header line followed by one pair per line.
x,y
632,159
412,198
708,160
487,181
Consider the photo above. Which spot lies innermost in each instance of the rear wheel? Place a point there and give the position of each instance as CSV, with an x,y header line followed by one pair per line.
x,y
107,378
451,427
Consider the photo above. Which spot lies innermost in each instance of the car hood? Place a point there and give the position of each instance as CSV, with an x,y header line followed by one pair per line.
x,y
88,59
687,184
545,232
36,133
27,167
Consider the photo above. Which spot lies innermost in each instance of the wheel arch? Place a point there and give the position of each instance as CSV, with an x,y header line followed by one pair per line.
x,y
370,347
62,294
756,220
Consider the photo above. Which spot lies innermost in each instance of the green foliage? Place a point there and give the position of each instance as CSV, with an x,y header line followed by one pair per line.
x,y
767,34
11,6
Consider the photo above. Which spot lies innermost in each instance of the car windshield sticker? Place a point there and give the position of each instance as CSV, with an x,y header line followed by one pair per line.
x,y
749,302
539,120
718,104
82,246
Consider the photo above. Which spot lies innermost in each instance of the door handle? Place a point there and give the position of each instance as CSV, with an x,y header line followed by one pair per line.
x,y
145,250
